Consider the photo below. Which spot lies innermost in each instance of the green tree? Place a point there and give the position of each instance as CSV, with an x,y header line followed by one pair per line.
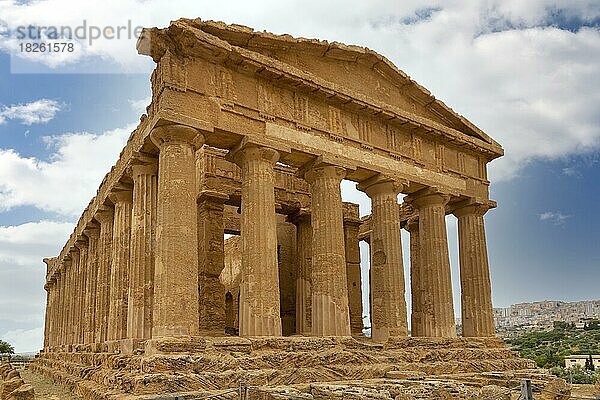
x,y
589,363
6,347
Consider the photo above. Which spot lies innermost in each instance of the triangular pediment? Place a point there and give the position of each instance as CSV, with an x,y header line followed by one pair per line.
x,y
354,68
349,73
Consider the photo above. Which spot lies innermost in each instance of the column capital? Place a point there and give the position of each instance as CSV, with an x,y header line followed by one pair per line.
x,y
81,242
412,225
299,216
104,214
176,133
382,184
138,168
212,196
92,233
121,196
427,197
471,207
325,171
251,151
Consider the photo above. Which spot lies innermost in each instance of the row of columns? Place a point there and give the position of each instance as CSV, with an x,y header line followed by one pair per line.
x,y
135,272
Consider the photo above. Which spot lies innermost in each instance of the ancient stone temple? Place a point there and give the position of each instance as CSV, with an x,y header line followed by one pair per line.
x,y
250,134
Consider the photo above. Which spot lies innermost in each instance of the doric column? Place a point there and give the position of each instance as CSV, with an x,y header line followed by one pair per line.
x,y
438,309
259,306
416,286
141,275
47,333
93,235
105,217
330,314
476,296
387,270
176,264
303,278
60,283
64,299
211,261
119,275
351,228
81,274
72,295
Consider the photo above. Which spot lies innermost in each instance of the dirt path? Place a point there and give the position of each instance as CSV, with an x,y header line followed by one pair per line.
x,y
45,389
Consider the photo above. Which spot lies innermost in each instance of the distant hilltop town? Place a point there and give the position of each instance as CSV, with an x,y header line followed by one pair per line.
x,y
542,314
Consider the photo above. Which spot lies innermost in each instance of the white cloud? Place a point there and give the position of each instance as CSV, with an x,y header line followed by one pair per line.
x,y
37,112
25,340
505,65
139,106
68,179
554,217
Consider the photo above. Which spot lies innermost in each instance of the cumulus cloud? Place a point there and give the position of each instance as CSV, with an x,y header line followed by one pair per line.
x,y
60,184
37,112
525,72
25,340
554,217
22,297
139,106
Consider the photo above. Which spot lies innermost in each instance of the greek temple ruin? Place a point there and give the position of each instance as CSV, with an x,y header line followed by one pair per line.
x,y
250,134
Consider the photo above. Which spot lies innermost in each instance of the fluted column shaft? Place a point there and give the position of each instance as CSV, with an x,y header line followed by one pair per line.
x,y
72,296
389,316
119,276
176,261
47,314
303,279
259,307
476,296
81,274
93,236
141,275
416,280
438,308
211,261
330,314
60,279
106,219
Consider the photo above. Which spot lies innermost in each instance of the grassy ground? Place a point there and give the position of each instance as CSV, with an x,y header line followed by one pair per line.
x,y
45,388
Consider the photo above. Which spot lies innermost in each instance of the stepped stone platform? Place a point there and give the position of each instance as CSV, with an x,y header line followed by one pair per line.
x,y
290,368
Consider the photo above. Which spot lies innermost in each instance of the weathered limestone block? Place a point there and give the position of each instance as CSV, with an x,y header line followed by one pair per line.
x,y
176,265
259,290
557,389
493,392
141,273
330,314
387,271
119,276
23,392
10,384
437,303
476,299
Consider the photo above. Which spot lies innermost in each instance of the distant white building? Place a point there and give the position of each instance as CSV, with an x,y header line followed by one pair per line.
x,y
578,359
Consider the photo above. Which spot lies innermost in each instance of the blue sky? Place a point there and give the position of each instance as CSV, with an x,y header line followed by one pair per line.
x,y
524,72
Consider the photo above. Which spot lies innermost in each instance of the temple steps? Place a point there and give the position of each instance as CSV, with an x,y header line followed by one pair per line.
x,y
211,364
